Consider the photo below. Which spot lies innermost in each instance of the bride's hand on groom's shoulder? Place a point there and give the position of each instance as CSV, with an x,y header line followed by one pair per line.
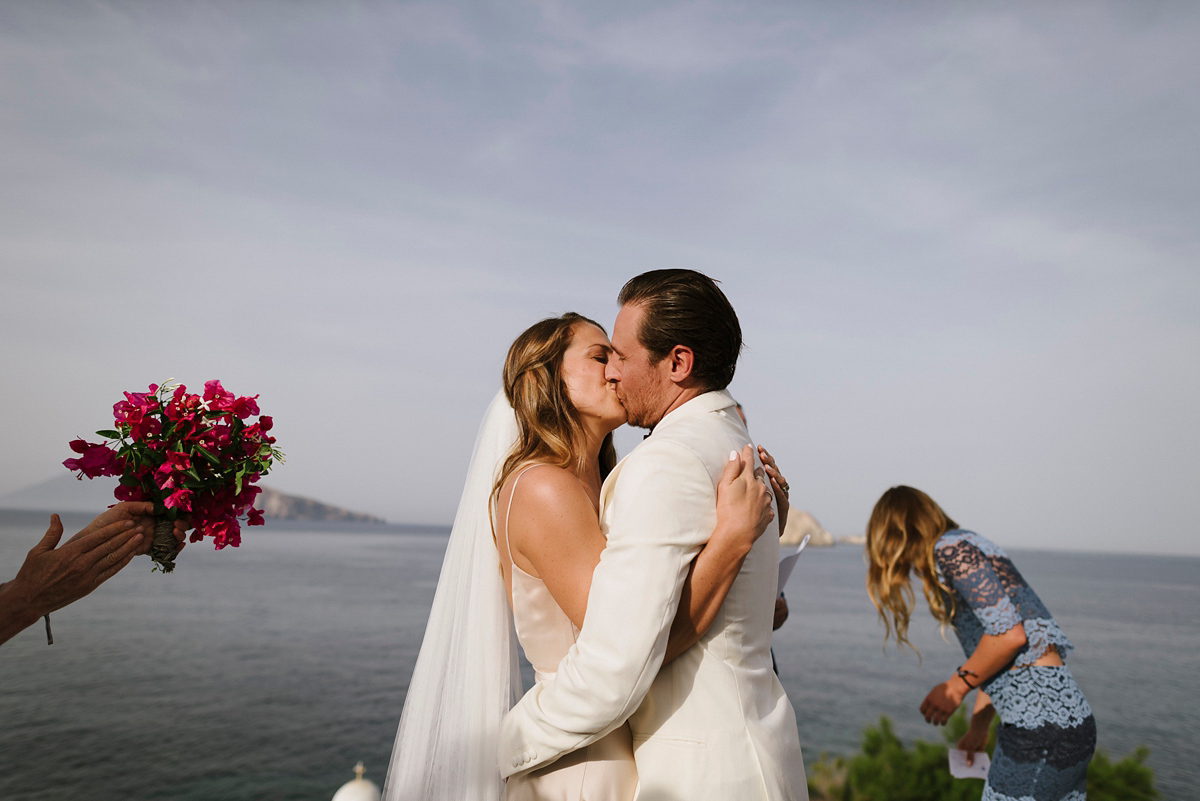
x,y
779,484
743,500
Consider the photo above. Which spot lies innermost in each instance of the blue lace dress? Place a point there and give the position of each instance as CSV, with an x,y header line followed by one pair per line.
x,y
1047,733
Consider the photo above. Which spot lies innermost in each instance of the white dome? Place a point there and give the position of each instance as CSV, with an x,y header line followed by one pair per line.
x,y
359,789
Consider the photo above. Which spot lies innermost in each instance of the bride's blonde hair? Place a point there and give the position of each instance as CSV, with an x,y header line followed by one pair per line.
x,y
904,527
548,424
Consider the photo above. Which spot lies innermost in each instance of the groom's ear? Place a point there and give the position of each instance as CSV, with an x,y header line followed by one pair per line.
x,y
681,360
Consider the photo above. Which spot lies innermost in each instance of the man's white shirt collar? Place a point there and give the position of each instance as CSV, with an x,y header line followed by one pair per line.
x,y
701,404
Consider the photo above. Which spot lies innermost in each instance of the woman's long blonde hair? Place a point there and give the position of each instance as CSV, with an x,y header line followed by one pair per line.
x,y
904,527
550,431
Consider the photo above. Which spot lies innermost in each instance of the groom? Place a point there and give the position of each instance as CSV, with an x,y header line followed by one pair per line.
x,y
714,723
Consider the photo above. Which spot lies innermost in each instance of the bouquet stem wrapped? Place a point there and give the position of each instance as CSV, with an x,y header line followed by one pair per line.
x,y
165,546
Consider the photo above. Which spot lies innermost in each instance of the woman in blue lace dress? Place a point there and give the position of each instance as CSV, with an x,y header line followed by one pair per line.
x,y
1014,648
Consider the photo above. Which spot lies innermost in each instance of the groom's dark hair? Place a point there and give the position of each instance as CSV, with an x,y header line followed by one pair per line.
x,y
684,307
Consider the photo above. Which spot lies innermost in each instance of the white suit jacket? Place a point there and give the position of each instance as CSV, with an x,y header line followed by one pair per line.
x,y
714,723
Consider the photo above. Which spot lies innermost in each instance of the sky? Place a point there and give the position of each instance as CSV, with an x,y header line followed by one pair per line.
x,y
963,239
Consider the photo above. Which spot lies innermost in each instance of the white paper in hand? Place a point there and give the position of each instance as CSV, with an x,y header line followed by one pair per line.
x,y
959,768
787,560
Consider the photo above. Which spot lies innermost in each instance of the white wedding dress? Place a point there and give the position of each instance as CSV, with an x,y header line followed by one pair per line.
x,y
604,770
466,676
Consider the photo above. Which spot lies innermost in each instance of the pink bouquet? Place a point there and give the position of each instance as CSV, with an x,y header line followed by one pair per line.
x,y
194,456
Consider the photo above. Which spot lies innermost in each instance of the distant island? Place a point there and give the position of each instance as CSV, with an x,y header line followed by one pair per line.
x,y
801,524
278,505
66,494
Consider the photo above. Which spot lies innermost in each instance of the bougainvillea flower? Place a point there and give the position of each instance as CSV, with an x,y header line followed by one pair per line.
x,y
124,493
179,499
216,396
255,518
182,406
225,531
165,478
178,461
221,435
146,428
245,407
136,405
170,473
126,412
257,432
94,460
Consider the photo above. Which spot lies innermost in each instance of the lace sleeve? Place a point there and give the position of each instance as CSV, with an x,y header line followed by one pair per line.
x,y
971,575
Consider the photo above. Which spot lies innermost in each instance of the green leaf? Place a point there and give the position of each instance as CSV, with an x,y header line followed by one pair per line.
x,y
108,433
207,454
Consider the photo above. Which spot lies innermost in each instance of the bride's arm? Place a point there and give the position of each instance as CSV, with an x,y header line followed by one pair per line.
x,y
743,514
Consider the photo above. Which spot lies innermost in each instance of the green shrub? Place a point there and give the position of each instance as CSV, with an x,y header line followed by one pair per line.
x,y
885,770
1127,780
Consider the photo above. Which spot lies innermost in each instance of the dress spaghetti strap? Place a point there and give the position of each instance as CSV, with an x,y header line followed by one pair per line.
x,y
508,511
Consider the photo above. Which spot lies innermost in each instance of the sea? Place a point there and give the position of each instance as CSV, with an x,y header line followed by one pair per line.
x,y
269,670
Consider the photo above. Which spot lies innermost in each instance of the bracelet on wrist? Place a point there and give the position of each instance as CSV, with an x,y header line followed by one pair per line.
x,y
962,673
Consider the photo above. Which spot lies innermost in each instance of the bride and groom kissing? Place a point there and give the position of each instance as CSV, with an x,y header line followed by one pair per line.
x,y
641,592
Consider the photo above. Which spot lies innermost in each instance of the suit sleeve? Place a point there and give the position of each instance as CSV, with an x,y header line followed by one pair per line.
x,y
662,513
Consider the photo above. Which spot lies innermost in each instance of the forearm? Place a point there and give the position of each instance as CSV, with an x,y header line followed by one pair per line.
x,y
993,654
981,716
709,580
16,611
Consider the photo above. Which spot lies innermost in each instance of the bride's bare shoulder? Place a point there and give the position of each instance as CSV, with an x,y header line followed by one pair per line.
x,y
549,503
542,486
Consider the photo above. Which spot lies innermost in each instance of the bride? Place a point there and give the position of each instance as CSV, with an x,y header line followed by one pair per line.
x,y
519,564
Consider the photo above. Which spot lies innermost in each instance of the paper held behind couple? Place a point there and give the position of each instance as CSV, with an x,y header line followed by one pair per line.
x,y
787,560
959,768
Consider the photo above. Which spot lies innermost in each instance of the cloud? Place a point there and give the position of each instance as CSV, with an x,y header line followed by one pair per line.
x,y
962,240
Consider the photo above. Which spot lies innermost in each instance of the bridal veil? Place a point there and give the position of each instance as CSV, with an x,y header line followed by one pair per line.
x,y
466,677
